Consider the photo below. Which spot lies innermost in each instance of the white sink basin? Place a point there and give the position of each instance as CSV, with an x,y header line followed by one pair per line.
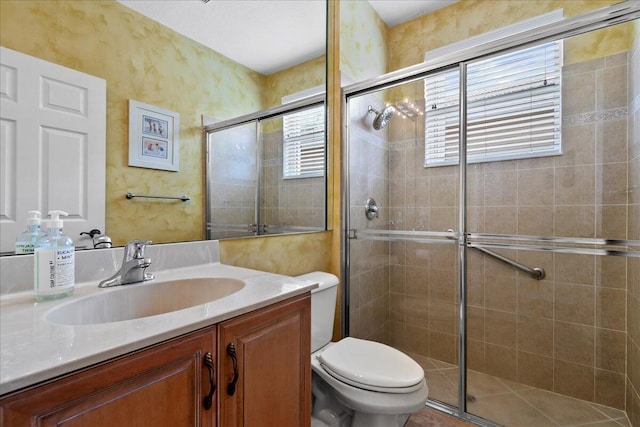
x,y
142,300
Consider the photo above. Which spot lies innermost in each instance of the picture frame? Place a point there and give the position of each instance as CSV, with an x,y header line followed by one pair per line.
x,y
154,137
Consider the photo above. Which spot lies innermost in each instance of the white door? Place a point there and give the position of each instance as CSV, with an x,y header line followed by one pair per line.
x,y
52,146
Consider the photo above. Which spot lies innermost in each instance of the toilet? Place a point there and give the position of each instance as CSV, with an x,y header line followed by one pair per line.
x,y
355,382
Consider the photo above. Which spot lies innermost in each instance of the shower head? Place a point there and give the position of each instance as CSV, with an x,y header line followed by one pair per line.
x,y
383,117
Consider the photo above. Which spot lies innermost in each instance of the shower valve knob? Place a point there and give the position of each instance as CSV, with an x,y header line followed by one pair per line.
x,y
371,209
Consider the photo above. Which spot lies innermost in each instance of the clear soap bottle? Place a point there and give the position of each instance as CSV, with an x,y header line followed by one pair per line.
x,y
26,241
54,262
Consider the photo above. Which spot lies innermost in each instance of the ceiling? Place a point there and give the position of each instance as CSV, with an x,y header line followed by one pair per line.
x,y
265,35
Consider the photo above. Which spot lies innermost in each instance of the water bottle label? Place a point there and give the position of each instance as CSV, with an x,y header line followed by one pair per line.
x,y
24,248
56,269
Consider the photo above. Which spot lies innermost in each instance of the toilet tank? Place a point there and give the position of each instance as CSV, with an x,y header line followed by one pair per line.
x,y
323,307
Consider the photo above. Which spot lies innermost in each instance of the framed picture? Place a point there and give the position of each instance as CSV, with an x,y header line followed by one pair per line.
x,y
154,137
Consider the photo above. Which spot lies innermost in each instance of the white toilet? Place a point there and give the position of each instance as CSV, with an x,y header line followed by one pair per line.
x,y
357,383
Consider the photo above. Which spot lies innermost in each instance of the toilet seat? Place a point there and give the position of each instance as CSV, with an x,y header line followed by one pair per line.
x,y
371,366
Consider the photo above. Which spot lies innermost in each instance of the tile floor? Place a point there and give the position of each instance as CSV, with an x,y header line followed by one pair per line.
x,y
512,404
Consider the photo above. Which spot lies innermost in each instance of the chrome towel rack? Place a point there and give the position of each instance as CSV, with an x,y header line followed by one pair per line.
x,y
182,198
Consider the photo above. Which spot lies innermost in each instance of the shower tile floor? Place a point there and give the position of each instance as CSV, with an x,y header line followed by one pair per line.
x,y
515,405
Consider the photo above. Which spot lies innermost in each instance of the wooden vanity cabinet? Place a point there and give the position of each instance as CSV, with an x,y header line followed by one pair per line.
x,y
166,384
163,385
271,382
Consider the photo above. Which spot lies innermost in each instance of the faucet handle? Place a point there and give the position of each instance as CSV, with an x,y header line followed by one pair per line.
x,y
135,249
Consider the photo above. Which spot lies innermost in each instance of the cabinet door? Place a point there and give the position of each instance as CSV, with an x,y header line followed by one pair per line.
x,y
161,386
273,361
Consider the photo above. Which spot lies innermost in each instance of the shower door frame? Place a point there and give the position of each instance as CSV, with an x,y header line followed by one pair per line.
x,y
599,19
257,118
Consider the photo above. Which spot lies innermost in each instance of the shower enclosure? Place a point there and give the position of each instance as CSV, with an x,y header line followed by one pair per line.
x,y
492,224
266,172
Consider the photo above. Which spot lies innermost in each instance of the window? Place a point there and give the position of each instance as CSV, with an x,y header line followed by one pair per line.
x,y
513,108
304,145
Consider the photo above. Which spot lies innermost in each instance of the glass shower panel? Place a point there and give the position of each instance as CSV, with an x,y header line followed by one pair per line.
x,y
232,181
292,187
542,343
402,269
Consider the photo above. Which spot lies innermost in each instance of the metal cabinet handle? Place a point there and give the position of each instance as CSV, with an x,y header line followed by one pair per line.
x,y
208,399
231,351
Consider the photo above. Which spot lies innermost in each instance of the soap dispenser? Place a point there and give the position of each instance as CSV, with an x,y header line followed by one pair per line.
x,y
27,240
54,262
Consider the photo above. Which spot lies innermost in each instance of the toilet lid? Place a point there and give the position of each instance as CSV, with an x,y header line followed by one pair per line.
x,y
371,364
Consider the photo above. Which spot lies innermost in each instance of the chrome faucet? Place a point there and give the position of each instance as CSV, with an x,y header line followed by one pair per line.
x,y
133,266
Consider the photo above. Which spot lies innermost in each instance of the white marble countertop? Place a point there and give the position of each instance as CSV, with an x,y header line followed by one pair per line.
x,y
33,349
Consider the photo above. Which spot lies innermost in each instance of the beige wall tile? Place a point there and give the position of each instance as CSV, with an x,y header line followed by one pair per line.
x,y
500,328
535,335
536,220
475,323
443,347
535,299
475,355
573,380
578,269
578,145
501,362
610,389
443,317
611,86
535,187
501,219
611,145
610,308
574,221
611,271
574,185
501,293
578,93
574,303
574,343
535,370
611,350
501,188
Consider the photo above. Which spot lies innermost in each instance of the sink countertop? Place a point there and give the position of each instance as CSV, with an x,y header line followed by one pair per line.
x,y
32,349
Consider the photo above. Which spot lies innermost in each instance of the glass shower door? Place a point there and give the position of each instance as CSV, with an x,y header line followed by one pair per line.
x,y
232,181
402,264
551,236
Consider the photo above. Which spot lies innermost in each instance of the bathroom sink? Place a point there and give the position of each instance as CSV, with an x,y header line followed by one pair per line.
x,y
142,300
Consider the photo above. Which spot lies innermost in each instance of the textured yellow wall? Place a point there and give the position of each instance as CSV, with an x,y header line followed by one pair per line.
x,y
288,254
306,75
363,41
409,41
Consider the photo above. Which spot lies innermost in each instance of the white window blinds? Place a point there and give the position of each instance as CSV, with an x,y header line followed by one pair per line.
x,y
513,108
304,144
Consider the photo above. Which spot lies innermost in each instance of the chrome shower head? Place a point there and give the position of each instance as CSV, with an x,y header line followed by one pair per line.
x,y
383,118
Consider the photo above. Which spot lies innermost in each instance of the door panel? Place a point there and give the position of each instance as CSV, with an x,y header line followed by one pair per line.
x,y
53,138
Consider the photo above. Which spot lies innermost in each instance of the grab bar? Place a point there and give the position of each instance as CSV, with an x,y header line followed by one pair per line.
x,y
536,273
183,198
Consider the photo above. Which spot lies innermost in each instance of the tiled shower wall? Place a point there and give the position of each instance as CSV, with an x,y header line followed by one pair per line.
x,y
566,333
633,278
288,205
369,260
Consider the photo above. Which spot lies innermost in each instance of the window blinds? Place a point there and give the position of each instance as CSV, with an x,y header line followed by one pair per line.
x,y
304,144
513,108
